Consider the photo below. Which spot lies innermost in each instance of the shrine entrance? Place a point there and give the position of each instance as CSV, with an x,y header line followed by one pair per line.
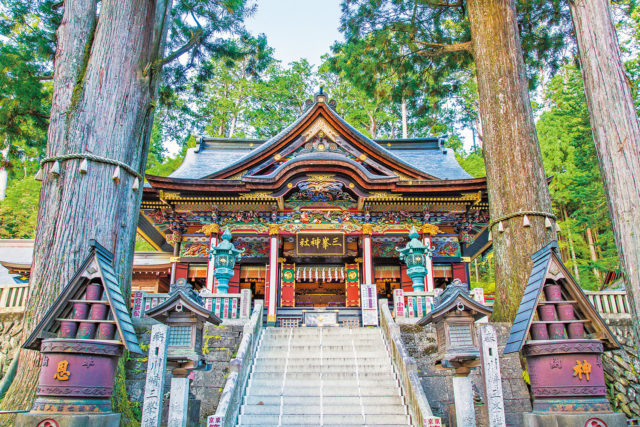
x,y
320,286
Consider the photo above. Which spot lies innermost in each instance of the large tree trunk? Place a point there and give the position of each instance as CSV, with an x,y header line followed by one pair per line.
x,y
403,110
615,129
572,251
513,160
102,104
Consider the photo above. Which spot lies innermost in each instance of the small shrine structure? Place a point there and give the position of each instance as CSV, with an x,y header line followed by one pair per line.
x,y
81,338
562,337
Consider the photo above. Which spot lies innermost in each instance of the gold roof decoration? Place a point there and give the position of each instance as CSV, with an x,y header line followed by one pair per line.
x,y
475,197
431,229
210,229
239,175
320,125
382,195
256,195
274,229
367,228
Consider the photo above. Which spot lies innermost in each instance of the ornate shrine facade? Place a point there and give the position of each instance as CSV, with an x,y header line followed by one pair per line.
x,y
319,209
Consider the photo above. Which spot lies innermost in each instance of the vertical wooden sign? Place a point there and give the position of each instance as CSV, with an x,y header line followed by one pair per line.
x,y
369,295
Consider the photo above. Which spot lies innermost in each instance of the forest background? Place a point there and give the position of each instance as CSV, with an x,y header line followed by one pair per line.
x,y
383,95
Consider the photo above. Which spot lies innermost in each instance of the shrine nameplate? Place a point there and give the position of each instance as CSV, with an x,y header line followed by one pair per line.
x,y
320,244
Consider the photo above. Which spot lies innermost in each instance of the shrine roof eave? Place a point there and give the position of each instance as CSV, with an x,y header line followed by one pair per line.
x,y
237,186
272,145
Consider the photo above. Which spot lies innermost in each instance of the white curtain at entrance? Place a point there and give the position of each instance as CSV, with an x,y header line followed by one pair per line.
x,y
326,273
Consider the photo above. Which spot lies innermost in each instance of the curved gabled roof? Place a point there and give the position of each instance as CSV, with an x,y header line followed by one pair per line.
x,y
422,158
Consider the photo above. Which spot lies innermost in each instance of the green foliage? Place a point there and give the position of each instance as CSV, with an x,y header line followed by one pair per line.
x,y
569,156
19,210
131,411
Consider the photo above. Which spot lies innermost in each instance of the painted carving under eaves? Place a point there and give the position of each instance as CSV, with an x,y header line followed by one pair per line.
x,y
320,192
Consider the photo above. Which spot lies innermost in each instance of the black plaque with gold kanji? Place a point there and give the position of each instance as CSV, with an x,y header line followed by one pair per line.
x,y
320,244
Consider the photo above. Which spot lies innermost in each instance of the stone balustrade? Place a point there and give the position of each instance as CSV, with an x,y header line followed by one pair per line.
x,y
13,298
610,303
405,366
225,306
231,399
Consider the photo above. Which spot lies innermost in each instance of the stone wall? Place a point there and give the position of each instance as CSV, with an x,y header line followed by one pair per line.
x,y
10,330
220,344
438,386
622,368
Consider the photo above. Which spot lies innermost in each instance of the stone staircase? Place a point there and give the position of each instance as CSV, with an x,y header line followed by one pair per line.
x,y
323,377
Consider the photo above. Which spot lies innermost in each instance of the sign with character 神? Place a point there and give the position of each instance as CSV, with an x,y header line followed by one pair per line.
x,y
320,244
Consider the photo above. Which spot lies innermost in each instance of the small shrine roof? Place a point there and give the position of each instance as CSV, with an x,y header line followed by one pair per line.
x,y
426,155
447,300
102,259
183,293
548,265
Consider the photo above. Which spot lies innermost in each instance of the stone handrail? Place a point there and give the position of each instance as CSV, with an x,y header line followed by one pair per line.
x,y
609,302
13,298
225,306
405,365
231,398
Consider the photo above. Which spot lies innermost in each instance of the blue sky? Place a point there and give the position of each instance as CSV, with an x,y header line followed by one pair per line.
x,y
297,29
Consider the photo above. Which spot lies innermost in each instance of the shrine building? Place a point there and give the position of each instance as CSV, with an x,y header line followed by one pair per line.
x,y
318,209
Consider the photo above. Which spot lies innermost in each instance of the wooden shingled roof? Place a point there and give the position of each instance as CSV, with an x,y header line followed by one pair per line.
x,y
548,268
98,265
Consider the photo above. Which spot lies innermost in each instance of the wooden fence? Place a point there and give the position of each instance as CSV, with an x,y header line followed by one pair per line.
x,y
225,306
13,298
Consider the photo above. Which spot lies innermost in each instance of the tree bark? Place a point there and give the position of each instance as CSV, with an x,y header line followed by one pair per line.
x,y
594,256
515,174
576,271
4,173
403,109
102,104
616,132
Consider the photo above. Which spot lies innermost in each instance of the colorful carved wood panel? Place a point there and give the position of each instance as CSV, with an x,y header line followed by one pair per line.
x,y
352,284
288,286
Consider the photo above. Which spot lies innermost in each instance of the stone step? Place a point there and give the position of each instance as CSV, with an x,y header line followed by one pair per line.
x,y
316,409
262,400
283,424
274,420
327,390
281,354
317,381
321,369
325,376
344,347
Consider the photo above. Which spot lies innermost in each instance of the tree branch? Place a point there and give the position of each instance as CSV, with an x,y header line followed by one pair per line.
x,y
446,3
436,49
197,37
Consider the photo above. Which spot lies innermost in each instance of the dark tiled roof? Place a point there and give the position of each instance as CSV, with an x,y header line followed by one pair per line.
x,y
216,154
117,304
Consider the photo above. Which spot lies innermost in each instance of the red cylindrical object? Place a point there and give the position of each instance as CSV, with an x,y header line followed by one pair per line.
x,y
106,331
553,292
556,331
565,312
68,329
547,312
80,310
576,331
94,292
539,331
86,331
98,311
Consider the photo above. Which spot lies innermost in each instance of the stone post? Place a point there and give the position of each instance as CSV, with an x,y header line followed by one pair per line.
x,y
156,369
179,403
489,357
367,257
463,398
245,303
